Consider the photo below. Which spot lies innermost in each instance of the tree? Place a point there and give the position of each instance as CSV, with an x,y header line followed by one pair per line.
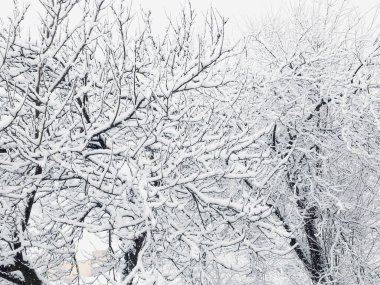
x,y
109,129
314,72
193,160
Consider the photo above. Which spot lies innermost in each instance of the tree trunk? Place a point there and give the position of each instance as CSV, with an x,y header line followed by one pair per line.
x,y
131,257
317,266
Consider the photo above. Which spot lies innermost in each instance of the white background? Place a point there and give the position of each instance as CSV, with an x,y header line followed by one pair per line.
x,y
242,14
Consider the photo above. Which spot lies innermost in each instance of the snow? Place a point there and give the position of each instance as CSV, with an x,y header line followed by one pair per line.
x,y
209,163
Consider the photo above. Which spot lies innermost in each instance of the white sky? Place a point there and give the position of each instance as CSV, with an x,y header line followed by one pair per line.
x,y
240,12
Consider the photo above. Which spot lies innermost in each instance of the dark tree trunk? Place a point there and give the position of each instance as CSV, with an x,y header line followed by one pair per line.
x,y
131,257
30,276
317,265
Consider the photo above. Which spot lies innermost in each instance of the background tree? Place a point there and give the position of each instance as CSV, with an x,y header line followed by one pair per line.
x,y
314,73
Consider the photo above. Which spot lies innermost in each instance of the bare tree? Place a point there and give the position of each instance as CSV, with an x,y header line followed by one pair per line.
x,y
312,72
110,129
193,160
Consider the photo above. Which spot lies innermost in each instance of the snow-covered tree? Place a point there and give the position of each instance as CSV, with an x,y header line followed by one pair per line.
x,y
193,160
139,139
316,74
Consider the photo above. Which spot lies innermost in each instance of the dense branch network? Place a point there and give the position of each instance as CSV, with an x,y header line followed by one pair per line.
x,y
191,159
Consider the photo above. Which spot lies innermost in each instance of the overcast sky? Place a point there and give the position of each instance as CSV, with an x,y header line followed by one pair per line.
x,y
240,12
